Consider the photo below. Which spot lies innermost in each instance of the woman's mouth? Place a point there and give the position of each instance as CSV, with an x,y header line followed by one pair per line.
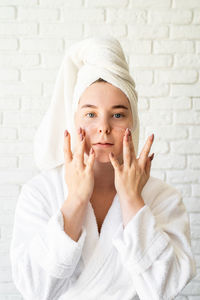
x,y
103,145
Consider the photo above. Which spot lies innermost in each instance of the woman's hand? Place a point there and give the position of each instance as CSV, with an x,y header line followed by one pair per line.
x,y
79,176
132,175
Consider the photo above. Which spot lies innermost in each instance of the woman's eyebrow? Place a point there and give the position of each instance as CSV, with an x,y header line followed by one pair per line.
x,y
115,106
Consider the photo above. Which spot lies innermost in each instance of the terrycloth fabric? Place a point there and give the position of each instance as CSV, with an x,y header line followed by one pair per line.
x,y
150,259
84,62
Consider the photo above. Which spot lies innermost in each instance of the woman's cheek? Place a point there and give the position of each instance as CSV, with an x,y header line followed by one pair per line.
x,y
118,149
87,145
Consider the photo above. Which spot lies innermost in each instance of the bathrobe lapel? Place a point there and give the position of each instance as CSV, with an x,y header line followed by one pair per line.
x,y
97,247
96,244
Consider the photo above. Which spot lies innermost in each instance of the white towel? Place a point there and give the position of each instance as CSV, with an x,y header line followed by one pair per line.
x,y
85,62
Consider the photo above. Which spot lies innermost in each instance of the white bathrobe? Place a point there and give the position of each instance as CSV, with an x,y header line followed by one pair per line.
x,y
149,259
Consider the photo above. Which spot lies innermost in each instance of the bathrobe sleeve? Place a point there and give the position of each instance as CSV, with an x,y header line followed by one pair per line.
x,y
43,257
155,246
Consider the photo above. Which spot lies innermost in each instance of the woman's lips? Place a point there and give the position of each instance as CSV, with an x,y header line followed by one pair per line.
x,y
103,145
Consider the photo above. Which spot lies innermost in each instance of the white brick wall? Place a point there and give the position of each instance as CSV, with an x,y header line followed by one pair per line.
x,y
161,43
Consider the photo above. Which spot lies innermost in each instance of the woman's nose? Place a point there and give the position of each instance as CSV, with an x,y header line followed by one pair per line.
x,y
104,127
104,130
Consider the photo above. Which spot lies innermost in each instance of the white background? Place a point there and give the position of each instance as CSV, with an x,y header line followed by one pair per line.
x,y
161,41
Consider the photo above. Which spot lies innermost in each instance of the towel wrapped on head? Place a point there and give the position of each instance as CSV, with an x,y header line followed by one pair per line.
x,y
85,62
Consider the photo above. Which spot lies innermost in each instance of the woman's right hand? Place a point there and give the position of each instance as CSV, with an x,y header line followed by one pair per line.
x,y
79,176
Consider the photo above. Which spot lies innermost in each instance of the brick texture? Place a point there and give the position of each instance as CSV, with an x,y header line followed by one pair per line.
x,y
160,39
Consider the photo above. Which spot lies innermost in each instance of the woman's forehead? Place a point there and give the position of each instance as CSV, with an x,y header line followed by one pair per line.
x,y
103,94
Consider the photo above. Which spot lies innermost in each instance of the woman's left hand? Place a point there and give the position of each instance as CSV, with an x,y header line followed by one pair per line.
x,y
132,175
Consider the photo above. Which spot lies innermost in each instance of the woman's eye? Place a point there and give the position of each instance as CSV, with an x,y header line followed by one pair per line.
x,y
119,114
89,114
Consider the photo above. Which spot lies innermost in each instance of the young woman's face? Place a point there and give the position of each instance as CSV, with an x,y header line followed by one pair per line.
x,y
102,121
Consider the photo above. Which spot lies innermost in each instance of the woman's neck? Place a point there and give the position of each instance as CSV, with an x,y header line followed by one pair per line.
x,y
103,176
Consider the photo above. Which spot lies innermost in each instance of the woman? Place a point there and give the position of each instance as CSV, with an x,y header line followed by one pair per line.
x,y
104,127
97,225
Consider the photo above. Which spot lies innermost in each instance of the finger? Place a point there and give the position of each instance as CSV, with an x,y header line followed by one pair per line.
x,y
114,161
132,148
151,156
67,147
126,149
145,151
91,159
148,166
79,152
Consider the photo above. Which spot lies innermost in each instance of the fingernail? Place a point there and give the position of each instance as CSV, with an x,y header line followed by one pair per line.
x,y
66,133
152,156
83,132
81,136
111,154
152,136
91,151
126,132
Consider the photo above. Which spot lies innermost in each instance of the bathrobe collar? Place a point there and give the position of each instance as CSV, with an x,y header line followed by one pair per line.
x,y
97,247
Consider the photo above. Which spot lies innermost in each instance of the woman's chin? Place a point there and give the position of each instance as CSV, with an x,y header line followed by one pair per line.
x,y
102,158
